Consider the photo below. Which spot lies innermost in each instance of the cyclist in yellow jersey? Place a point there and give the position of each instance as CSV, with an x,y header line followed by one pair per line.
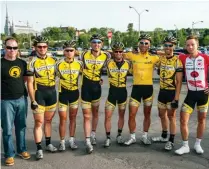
x,y
93,61
68,72
41,88
143,65
170,71
117,70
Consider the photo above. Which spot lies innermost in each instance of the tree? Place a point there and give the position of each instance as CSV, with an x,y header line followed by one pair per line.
x,y
206,40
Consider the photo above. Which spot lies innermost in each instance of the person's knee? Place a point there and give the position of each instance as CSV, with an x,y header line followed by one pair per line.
x,y
87,116
183,121
162,115
38,123
202,119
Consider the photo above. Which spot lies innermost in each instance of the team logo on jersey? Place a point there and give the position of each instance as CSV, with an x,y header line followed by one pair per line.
x,y
194,74
199,63
15,72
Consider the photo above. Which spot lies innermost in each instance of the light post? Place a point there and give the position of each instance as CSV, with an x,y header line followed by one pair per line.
x,y
139,14
176,34
193,23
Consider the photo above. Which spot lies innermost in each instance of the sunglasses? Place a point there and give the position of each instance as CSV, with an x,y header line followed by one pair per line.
x,y
168,45
118,51
42,47
69,50
96,41
143,43
10,47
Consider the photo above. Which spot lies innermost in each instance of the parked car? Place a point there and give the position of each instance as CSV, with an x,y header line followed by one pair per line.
x,y
2,53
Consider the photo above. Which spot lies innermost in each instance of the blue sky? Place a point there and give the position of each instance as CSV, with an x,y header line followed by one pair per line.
x,y
115,14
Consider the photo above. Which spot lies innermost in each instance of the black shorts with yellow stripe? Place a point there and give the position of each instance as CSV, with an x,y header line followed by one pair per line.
x,y
90,92
140,92
165,98
68,97
46,99
117,95
193,98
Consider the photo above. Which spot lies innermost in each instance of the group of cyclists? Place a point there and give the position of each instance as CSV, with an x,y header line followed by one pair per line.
x,y
42,71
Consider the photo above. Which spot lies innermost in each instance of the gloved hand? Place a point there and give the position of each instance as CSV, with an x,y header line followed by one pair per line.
x,y
34,105
175,104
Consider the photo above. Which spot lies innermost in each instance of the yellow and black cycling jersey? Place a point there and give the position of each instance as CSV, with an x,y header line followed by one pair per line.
x,y
93,65
117,72
143,66
168,69
43,70
68,74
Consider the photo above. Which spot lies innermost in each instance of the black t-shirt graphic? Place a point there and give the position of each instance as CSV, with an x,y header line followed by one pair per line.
x,y
12,81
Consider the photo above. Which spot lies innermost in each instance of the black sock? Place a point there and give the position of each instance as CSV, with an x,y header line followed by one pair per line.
x,y
39,147
119,132
108,135
48,140
164,134
171,139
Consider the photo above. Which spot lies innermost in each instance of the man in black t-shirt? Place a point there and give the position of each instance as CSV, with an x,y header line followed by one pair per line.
x,y
13,102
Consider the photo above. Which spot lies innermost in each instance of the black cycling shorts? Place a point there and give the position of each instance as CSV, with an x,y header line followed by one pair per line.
x,y
166,96
140,92
68,96
193,98
117,95
90,90
46,98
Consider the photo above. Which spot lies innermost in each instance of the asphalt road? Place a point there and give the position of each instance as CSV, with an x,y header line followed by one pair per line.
x,y
136,156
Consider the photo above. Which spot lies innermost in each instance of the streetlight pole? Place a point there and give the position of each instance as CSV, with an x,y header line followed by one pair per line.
x,y
176,34
193,23
139,14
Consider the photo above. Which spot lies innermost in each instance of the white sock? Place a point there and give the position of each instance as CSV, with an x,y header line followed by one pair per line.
x,y
186,143
93,134
71,139
133,135
198,141
62,141
88,141
145,134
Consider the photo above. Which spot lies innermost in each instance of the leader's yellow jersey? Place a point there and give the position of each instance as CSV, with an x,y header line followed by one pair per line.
x,y
93,65
117,74
43,71
143,66
168,69
68,74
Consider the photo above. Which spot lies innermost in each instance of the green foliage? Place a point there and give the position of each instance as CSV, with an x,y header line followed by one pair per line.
x,y
57,36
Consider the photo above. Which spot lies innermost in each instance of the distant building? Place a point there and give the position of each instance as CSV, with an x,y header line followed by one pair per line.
x,y
11,28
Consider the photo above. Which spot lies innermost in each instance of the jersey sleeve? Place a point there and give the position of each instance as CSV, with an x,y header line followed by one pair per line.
x,y
30,67
156,60
179,66
82,66
25,72
127,56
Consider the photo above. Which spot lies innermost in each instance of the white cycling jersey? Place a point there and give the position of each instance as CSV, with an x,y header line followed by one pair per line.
x,y
196,71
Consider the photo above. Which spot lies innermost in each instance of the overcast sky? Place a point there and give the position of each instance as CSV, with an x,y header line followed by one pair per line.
x,y
114,14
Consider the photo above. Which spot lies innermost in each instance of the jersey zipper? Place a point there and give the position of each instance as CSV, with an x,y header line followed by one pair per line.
x,y
194,71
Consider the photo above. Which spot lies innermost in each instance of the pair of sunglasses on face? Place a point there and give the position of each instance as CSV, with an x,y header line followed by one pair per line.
x,y
118,51
42,47
143,43
11,47
168,45
69,50
96,41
